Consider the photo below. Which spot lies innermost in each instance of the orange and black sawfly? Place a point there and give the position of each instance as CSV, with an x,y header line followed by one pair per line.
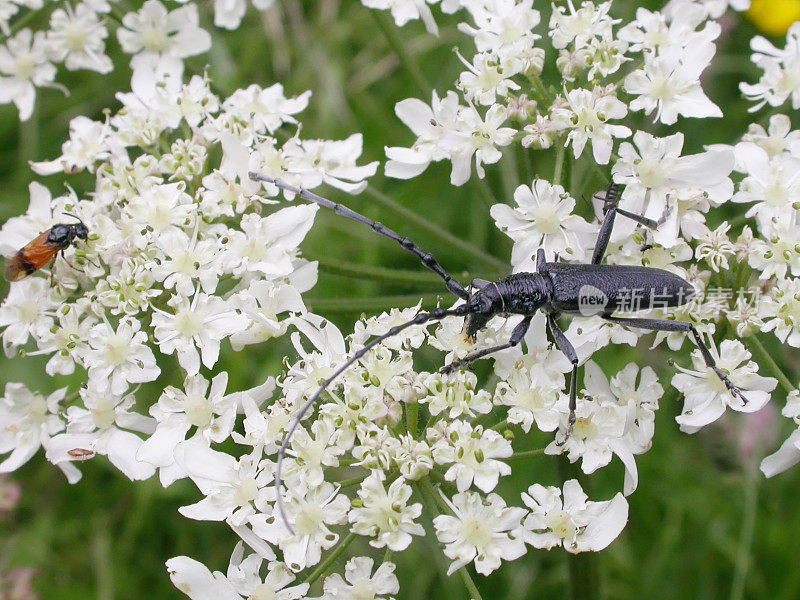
x,y
44,249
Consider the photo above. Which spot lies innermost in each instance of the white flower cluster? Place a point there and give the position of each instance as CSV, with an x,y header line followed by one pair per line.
x,y
186,252
182,255
157,39
671,54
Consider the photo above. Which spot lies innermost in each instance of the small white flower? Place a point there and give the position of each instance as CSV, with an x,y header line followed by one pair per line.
x,y
77,37
474,453
487,78
777,139
100,428
28,421
385,514
24,66
714,247
504,27
542,219
117,357
781,79
670,83
485,531
266,108
310,511
233,489
195,329
177,411
781,312
657,178
706,395
162,39
89,142
586,117
360,583
772,183
574,522
26,312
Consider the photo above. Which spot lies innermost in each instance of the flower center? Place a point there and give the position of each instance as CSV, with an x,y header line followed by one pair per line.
x,y
75,36
309,519
198,410
188,323
662,88
650,173
547,221
561,524
154,39
28,312
25,66
476,532
776,194
246,492
103,415
117,350
362,590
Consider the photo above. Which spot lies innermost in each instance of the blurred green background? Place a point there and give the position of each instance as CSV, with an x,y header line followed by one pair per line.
x,y
701,515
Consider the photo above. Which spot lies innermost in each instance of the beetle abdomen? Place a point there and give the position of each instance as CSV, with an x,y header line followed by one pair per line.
x,y
604,289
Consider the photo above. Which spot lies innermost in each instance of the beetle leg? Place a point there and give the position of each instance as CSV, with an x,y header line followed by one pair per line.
x,y
516,337
647,222
610,211
604,236
540,260
569,351
665,325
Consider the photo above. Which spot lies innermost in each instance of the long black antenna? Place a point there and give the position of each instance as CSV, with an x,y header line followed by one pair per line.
x,y
436,314
426,258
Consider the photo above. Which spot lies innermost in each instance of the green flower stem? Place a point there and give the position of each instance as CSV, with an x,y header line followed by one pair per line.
x,y
527,453
399,46
469,584
540,93
743,549
427,489
345,483
412,415
328,562
102,551
433,500
501,425
754,342
462,246
348,269
378,303
558,170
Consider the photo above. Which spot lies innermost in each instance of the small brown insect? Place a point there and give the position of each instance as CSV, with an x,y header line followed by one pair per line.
x,y
44,249
81,453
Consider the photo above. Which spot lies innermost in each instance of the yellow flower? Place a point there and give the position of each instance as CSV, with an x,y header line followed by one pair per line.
x,y
774,17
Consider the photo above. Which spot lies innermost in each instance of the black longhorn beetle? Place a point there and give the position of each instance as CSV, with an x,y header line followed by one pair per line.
x,y
557,288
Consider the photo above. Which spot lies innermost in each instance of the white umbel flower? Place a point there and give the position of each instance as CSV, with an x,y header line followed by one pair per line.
x,y
575,523
482,530
385,515
706,395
